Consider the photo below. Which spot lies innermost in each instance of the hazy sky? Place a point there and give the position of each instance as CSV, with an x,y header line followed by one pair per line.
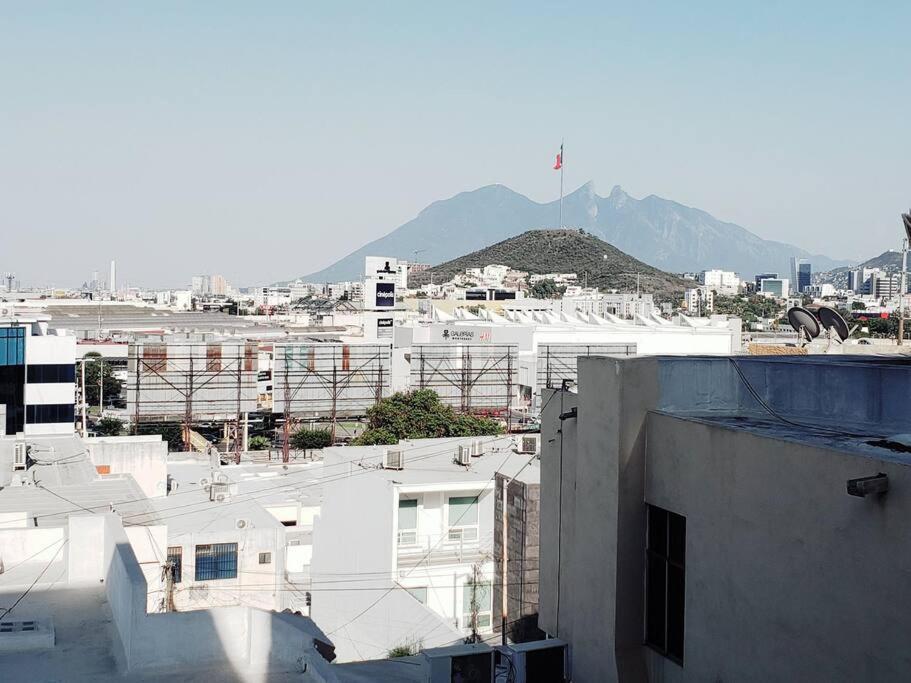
x,y
264,140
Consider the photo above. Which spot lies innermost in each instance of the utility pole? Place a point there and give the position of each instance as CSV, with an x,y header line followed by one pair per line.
x,y
100,386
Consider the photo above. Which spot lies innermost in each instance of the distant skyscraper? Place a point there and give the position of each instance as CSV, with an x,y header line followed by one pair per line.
x,y
801,274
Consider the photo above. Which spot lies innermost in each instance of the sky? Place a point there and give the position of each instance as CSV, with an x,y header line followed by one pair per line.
x,y
263,141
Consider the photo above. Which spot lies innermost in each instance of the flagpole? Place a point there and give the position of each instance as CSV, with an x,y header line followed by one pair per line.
x,y
561,184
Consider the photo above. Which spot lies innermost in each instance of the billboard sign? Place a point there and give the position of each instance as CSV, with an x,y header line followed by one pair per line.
x,y
385,294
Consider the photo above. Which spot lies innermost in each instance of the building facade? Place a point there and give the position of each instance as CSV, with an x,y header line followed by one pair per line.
x,y
691,532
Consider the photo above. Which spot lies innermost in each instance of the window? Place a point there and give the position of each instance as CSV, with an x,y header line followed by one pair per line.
x,y
665,582
49,413
265,558
216,561
51,373
463,518
481,594
175,559
12,346
408,521
419,594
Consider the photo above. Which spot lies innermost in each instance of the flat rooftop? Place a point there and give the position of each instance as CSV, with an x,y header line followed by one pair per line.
x,y
866,445
432,461
258,486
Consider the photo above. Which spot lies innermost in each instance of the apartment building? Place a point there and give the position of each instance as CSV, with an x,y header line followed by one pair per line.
x,y
403,548
729,519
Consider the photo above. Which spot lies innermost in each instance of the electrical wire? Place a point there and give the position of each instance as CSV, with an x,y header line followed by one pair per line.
x,y
771,411
37,579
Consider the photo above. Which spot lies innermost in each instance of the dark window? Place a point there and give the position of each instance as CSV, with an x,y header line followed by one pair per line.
x,y
265,558
665,582
51,374
216,561
49,413
12,394
175,557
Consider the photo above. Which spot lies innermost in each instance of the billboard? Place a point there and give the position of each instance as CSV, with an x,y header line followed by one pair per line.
x,y
383,327
385,294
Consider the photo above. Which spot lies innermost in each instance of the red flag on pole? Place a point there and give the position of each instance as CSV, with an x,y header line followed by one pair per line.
x,y
559,163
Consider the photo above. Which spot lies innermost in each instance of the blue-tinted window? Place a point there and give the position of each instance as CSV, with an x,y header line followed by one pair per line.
x,y
216,561
12,346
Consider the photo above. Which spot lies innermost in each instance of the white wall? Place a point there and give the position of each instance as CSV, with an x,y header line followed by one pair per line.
x,y
143,457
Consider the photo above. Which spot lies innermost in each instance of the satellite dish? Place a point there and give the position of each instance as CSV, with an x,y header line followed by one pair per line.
x,y
801,319
832,319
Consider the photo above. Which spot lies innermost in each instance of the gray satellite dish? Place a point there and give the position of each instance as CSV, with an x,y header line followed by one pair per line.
x,y
804,322
832,320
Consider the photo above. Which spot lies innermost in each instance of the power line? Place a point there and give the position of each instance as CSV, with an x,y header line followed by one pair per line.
x,y
37,579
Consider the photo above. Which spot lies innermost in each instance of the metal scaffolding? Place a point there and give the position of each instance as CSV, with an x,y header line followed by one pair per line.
x,y
328,380
184,382
558,362
472,378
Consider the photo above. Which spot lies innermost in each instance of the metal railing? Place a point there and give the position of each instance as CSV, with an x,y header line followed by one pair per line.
x,y
454,546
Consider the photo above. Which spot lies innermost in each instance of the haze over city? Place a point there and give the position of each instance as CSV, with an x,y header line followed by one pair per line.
x,y
245,135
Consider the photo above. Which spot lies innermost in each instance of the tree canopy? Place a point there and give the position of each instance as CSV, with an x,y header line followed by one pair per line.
x,y
420,415
96,370
304,439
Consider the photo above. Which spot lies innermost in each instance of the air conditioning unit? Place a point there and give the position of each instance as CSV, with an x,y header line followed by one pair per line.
x,y
204,482
540,661
463,456
460,663
394,459
20,454
219,493
477,448
242,523
528,444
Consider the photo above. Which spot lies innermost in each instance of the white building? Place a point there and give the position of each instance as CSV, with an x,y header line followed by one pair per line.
x,y
699,300
721,281
86,580
404,542
37,377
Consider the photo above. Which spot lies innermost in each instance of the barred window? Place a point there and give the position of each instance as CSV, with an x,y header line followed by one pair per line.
x,y
175,558
216,561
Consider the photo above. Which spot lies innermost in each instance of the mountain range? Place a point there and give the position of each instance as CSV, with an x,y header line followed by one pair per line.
x,y
596,262
660,232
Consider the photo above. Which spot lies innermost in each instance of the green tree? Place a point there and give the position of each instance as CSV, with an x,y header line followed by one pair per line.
x,y
96,370
420,415
304,439
258,443
109,426
171,433
544,289
858,306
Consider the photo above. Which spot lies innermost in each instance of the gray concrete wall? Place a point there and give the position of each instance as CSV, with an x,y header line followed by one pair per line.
x,y
787,577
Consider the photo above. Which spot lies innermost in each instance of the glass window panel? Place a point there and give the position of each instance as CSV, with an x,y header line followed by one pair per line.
x,y
676,590
655,582
408,514
463,511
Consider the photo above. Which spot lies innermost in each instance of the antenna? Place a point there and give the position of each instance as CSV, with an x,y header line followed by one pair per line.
x,y
833,321
804,323
9,277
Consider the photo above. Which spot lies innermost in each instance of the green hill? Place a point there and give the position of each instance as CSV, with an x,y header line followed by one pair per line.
x,y
563,251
